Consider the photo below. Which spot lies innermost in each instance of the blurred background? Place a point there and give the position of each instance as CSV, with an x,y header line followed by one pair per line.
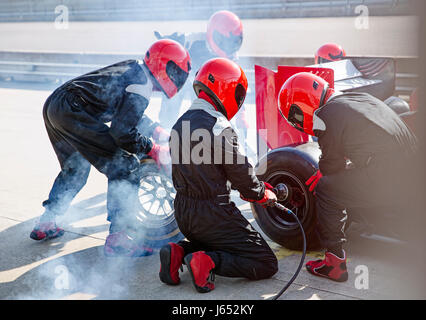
x,y
33,32
49,42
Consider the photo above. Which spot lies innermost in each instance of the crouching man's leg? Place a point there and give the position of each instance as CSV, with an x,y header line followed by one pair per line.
x,y
334,193
331,222
125,238
70,180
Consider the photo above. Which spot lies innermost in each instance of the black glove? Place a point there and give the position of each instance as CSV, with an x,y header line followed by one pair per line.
x,y
268,199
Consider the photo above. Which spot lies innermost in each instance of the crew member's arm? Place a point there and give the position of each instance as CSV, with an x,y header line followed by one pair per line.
x,y
124,124
330,135
149,128
240,172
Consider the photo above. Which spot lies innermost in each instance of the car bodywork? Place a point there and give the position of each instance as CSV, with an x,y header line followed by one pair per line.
x,y
372,75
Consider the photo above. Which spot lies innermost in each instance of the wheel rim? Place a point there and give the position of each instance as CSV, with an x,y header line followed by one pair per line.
x,y
278,217
156,195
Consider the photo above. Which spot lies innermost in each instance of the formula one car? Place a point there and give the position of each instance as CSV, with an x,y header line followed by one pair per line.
x,y
294,156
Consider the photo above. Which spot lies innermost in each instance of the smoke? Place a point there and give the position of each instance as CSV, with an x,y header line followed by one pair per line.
x,y
74,266
85,273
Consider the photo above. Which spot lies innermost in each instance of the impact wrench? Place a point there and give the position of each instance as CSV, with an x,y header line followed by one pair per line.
x,y
281,191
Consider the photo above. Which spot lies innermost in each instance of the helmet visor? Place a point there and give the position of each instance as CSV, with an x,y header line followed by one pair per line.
x,y
333,58
322,60
240,95
229,44
295,117
177,75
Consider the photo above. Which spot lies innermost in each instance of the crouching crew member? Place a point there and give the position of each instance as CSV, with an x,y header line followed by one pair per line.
x,y
75,116
222,38
329,52
355,127
206,164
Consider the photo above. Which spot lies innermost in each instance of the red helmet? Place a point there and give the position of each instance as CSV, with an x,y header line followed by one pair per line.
x,y
224,33
169,64
300,96
224,82
329,52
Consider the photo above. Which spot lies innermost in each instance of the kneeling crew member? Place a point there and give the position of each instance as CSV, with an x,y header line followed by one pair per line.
x,y
219,239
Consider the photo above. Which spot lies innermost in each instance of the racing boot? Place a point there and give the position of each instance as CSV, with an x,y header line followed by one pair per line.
x,y
332,267
200,266
119,244
46,228
171,259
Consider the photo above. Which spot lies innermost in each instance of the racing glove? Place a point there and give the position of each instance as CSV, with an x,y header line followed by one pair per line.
x,y
313,181
269,197
160,134
161,155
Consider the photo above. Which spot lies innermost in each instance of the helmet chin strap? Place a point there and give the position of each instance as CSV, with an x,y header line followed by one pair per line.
x,y
329,94
155,88
204,96
333,93
150,78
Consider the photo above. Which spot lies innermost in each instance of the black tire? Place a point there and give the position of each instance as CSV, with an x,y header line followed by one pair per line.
x,y
155,216
292,166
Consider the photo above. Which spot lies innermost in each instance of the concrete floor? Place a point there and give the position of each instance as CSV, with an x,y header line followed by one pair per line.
x,y
73,266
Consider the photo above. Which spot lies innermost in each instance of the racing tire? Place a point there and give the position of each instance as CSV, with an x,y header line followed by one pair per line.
x,y
155,215
292,166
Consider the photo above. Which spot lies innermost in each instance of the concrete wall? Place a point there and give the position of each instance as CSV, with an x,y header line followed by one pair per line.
x,y
136,10
385,36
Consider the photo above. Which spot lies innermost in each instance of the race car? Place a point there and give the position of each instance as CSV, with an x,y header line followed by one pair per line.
x,y
293,155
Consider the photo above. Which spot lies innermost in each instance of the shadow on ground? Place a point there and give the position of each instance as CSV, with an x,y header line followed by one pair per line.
x,y
85,209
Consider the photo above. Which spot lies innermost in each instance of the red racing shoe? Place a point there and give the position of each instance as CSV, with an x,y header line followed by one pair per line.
x,y
171,259
119,244
201,266
46,230
332,267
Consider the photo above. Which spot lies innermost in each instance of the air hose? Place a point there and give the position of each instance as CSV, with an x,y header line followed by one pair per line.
x,y
302,260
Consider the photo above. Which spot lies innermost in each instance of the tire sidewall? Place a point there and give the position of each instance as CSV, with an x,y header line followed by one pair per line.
x,y
301,165
156,237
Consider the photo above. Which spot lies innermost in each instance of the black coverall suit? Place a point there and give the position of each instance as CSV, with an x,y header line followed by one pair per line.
x,y
75,117
363,129
206,163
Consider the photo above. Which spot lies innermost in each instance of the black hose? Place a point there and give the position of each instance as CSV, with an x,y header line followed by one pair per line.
x,y
302,260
